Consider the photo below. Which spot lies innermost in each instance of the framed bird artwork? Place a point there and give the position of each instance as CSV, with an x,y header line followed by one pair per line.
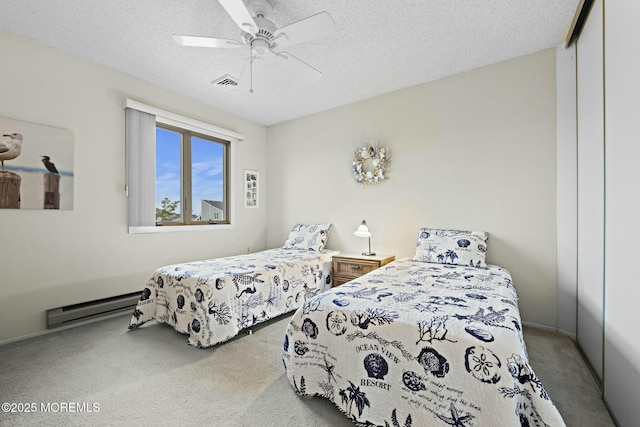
x,y
36,166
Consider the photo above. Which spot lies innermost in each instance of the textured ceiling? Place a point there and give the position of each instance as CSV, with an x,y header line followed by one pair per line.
x,y
379,45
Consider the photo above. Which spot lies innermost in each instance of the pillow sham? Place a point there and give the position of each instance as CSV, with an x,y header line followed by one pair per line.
x,y
308,237
457,247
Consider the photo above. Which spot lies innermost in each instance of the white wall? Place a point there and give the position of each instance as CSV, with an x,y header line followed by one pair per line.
x,y
473,151
54,258
622,291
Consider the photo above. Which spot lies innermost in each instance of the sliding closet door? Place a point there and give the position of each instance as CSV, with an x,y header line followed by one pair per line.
x,y
591,189
567,185
622,328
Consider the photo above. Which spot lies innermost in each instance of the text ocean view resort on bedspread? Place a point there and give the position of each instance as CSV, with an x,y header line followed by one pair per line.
x,y
419,344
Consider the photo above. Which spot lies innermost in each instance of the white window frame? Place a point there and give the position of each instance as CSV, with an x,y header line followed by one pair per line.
x,y
140,179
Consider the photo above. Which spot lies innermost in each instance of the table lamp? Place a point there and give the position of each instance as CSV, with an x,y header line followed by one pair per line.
x,y
363,231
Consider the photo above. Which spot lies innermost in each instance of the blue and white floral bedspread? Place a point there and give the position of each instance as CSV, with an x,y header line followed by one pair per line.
x,y
213,300
419,344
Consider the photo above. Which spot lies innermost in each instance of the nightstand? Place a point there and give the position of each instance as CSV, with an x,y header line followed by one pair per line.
x,y
347,267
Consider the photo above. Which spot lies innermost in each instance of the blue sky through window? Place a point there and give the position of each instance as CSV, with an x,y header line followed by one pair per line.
x,y
207,169
167,166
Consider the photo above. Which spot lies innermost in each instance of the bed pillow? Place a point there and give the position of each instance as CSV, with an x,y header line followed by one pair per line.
x,y
308,237
452,247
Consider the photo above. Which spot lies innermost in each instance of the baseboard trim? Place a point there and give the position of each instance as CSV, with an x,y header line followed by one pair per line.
x,y
568,334
538,326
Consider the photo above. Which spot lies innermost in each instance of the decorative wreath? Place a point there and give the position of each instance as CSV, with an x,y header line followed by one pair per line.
x,y
379,163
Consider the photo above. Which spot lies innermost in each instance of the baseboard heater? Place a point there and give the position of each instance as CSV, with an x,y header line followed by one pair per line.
x,y
91,309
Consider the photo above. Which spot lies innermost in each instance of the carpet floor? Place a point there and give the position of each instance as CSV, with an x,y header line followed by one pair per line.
x,y
101,374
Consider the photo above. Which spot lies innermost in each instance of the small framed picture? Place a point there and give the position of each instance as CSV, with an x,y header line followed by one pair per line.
x,y
251,189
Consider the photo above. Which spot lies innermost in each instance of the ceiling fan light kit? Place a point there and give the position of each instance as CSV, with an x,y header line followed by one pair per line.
x,y
260,47
264,38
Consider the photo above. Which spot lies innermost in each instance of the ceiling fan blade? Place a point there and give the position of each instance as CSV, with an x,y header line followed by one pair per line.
x,y
240,15
196,41
311,28
297,66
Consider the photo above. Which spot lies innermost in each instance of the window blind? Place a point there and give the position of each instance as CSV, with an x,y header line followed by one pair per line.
x,y
141,168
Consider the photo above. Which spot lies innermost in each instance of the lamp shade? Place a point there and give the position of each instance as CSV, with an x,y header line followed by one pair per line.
x,y
363,230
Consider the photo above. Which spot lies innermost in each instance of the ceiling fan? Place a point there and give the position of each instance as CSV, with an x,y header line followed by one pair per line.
x,y
264,38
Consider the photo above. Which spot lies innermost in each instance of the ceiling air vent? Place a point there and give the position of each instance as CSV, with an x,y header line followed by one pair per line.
x,y
226,82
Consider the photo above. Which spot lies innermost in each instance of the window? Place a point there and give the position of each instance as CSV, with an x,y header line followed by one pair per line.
x,y
179,171
191,177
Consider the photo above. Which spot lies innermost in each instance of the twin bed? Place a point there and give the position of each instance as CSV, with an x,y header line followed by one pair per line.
x,y
435,340
427,341
213,300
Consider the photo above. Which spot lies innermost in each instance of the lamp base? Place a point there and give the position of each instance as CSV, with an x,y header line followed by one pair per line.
x,y
368,253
